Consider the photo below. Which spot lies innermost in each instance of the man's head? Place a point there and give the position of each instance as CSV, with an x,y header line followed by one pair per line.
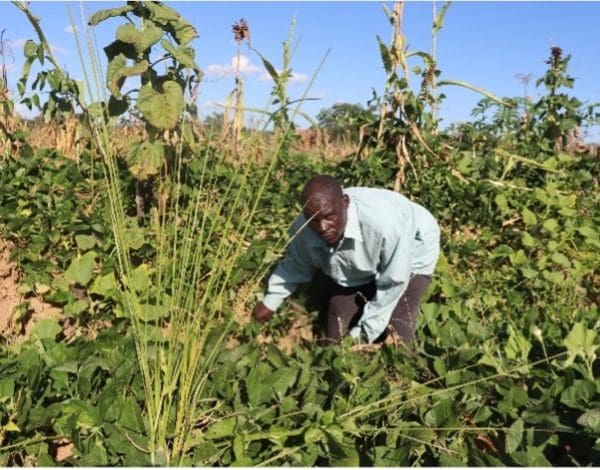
x,y
325,206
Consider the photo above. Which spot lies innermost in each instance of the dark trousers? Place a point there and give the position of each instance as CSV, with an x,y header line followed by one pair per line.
x,y
346,307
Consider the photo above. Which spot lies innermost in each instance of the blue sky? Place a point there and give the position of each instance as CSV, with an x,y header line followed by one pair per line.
x,y
484,43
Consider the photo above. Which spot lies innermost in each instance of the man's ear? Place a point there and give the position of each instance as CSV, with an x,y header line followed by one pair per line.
x,y
346,201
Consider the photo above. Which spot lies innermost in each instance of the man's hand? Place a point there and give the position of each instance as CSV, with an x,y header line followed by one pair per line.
x,y
262,313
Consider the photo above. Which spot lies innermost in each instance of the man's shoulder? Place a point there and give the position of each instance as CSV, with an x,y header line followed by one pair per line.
x,y
376,202
364,193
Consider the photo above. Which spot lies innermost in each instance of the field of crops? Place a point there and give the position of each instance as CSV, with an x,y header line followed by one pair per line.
x,y
135,240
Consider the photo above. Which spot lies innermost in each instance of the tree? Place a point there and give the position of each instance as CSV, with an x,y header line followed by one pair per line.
x,y
343,120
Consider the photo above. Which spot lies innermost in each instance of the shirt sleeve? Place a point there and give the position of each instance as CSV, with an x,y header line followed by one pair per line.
x,y
391,282
295,269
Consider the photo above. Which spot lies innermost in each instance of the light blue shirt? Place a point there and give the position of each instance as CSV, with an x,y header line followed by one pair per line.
x,y
387,238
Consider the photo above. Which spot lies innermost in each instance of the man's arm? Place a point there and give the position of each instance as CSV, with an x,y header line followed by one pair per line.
x,y
391,282
293,270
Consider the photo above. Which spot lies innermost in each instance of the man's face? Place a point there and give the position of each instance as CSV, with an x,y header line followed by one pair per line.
x,y
327,217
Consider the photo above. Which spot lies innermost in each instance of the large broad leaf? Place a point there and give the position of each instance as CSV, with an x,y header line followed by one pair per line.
x,y
119,47
183,54
517,346
590,420
579,394
144,159
161,108
7,389
580,342
117,72
46,328
85,242
109,13
514,436
104,285
221,428
141,40
140,278
178,27
131,417
80,269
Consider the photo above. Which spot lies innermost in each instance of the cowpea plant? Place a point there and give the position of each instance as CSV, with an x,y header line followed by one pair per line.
x,y
161,36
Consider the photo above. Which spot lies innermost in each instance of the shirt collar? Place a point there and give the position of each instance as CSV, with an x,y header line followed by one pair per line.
x,y
352,223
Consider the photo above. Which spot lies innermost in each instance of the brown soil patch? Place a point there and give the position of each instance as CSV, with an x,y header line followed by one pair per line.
x,y
10,297
63,449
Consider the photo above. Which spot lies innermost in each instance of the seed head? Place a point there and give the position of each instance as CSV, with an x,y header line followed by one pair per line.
x,y
241,31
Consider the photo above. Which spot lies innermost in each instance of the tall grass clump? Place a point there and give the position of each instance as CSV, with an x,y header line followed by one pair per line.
x,y
178,243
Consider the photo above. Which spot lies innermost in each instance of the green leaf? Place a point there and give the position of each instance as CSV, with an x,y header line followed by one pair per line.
x,y
580,342
183,54
579,394
141,40
385,56
102,15
118,71
501,202
441,412
131,417
75,308
282,380
551,225
532,457
46,328
270,69
30,49
439,18
180,29
514,436
144,158
517,346
81,268
219,429
561,259
529,217
528,240
590,420
7,389
161,108
140,278
104,285
85,242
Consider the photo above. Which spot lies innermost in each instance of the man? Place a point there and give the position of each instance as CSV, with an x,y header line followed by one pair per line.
x,y
379,249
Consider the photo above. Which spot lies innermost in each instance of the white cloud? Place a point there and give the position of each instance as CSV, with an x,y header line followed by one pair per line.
x,y
8,68
15,44
59,50
24,111
295,78
70,29
245,66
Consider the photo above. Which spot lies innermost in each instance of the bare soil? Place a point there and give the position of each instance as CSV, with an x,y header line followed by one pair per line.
x,y
10,296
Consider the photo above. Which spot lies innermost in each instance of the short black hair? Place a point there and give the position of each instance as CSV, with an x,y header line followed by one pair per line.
x,y
322,186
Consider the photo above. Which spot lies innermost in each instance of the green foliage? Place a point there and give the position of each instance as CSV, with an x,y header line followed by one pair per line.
x,y
63,92
343,121
505,369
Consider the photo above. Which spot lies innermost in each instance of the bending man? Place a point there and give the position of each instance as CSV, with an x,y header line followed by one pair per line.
x,y
379,248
